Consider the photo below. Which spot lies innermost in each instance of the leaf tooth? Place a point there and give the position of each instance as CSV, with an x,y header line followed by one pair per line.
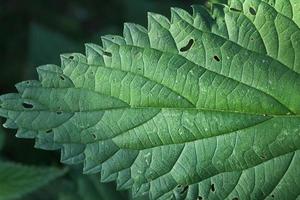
x,y
235,5
202,18
136,35
90,167
157,18
46,142
116,39
109,47
159,33
50,67
117,162
9,123
159,188
72,153
94,54
72,59
199,10
52,76
26,134
110,178
109,44
178,12
97,153
139,190
27,84
124,180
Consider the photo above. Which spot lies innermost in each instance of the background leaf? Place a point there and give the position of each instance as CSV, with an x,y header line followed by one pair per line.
x,y
17,180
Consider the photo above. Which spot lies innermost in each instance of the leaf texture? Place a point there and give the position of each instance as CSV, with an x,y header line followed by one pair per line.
x,y
202,106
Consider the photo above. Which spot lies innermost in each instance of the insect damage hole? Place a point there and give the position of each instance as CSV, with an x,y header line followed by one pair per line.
x,y
59,112
94,136
27,105
188,46
108,54
252,11
62,77
235,9
212,187
199,198
216,58
71,57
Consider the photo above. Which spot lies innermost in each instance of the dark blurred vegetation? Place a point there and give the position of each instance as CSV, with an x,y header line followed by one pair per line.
x,y
36,32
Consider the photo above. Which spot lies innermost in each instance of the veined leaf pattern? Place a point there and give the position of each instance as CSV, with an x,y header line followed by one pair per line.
x,y
203,106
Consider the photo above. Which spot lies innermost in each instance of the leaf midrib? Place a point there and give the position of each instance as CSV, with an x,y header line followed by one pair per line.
x,y
161,108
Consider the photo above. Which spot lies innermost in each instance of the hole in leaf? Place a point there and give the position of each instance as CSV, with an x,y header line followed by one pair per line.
x,y
212,187
107,54
49,131
59,112
94,136
27,105
272,196
235,9
235,198
188,46
71,57
252,11
199,198
217,58
62,77
252,39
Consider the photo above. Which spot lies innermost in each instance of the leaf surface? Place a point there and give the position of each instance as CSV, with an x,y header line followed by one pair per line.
x,y
205,105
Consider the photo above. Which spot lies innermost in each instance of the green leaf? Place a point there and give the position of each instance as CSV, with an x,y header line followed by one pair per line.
x,y
17,180
205,105
76,186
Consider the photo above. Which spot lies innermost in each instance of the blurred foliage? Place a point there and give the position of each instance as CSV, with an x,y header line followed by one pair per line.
x,y
36,32
76,186
17,180
2,139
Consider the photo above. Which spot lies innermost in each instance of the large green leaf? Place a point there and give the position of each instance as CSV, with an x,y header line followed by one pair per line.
x,y
204,106
17,180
